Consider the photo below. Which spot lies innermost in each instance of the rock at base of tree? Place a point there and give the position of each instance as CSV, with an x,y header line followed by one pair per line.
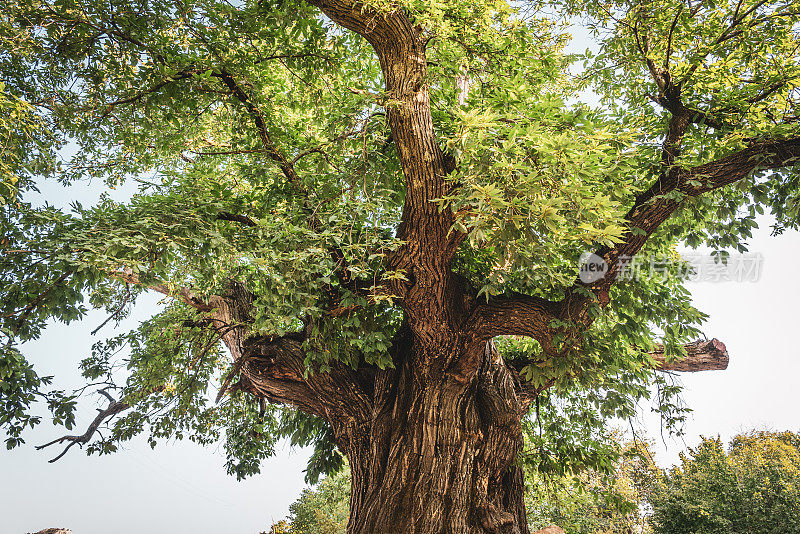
x,y
54,531
552,529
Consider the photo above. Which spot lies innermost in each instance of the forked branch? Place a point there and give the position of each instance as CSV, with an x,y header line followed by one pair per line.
x,y
114,407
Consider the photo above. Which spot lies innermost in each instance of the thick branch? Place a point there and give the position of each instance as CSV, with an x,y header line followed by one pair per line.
x,y
700,356
651,208
513,315
270,367
655,206
426,230
769,154
658,203
355,16
275,369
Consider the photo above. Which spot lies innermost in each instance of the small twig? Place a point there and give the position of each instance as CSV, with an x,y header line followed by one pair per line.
x,y
117,311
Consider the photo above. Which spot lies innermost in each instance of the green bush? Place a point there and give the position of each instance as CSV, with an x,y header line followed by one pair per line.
x,y
323,509
753,488
593,501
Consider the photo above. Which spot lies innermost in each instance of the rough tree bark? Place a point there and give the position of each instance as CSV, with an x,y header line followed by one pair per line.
x,y
700,356
432,442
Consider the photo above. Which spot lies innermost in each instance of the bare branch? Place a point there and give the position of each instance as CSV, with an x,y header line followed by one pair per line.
x,y
114,407
268,368
700,356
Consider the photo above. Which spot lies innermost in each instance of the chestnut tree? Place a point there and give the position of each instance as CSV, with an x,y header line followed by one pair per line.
x,y
366,219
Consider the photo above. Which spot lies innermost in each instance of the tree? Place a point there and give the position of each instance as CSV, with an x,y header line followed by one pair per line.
x,y
592,501
281,527
324,509
754,487
356,199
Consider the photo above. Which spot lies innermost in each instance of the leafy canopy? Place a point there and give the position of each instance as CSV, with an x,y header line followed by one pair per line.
x,y
252,138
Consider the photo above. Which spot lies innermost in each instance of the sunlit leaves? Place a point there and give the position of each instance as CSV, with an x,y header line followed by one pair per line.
x,y
536,188
734,62
23,148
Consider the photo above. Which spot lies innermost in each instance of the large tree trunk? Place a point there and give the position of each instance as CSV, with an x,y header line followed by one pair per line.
x,y
438,455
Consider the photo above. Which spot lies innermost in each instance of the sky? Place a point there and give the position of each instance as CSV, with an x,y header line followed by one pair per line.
x,y
758,322
182,487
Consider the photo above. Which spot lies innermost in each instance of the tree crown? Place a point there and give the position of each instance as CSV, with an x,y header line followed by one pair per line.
x,y
271,162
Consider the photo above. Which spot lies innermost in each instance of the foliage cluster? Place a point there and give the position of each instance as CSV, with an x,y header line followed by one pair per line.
x,y
754,486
